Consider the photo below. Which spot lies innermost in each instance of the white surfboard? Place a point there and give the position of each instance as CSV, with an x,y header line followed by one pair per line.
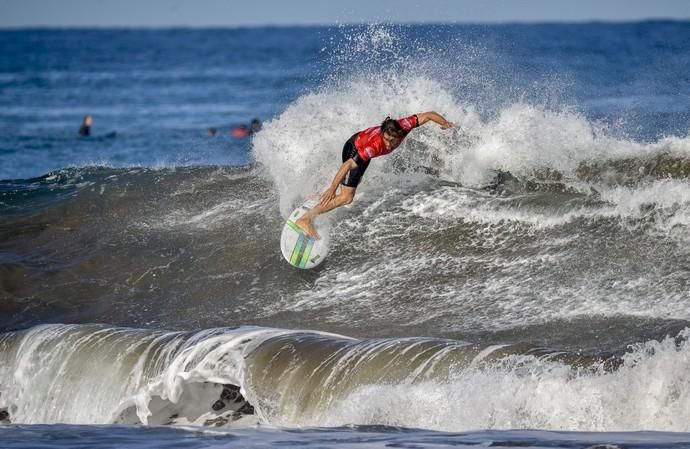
x,y
298,249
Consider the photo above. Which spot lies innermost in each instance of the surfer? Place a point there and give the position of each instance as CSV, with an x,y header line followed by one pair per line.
x,y
255,126
357,153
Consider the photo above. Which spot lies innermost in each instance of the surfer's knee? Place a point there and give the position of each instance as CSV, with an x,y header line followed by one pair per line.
x,y
347,197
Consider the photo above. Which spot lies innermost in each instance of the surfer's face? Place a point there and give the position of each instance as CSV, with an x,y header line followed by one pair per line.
x,y
390,141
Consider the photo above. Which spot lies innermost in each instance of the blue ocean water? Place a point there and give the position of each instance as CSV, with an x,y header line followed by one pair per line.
x,y
156,91
160,90
522,280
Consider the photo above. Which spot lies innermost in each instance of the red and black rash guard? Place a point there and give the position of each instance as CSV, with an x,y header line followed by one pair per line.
x,y
369,143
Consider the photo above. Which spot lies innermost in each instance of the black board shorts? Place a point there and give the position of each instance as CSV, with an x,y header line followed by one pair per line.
x,y
354,176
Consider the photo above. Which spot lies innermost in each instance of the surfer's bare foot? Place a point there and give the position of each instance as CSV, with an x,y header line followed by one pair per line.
x,y
307,227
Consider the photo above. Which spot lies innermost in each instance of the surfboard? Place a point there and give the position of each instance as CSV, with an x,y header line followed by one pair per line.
x,y
298,249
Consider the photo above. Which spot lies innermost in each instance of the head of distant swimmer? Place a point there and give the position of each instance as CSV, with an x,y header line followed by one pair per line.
x,y
392,133
88,120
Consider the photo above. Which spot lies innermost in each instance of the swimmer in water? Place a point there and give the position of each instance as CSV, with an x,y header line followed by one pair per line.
x,y
85,129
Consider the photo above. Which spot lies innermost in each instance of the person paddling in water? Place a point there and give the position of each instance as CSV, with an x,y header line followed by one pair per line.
x,y
357,153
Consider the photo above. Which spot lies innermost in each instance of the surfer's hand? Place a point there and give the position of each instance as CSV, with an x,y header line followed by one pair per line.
x,y
447,125
327,196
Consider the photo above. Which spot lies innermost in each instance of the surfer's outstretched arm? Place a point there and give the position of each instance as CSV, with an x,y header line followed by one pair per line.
x,y
434,117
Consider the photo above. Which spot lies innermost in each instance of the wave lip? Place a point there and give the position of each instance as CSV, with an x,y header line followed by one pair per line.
x,y
244,376
97,375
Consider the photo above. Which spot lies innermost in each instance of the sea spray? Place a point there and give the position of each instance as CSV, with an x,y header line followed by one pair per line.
x,y
378,70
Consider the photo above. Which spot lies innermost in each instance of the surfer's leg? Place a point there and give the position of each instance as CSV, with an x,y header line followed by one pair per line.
x,y
344,196
346,192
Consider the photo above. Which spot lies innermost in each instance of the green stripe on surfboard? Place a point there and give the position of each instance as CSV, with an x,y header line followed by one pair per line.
x,y
307,251
294,257
302,249
294,227
296,250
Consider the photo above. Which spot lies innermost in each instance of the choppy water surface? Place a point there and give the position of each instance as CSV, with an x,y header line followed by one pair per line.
x,y
522,280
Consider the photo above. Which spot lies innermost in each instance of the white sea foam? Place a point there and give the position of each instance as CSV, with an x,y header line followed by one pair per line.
x,y
665,203
484,208
301,147
650,391
90,374
502,263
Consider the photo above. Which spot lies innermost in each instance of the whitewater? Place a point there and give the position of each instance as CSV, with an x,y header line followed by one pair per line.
x,y
521,279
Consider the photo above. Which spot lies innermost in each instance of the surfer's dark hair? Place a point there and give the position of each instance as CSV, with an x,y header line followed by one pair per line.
x,y
392,128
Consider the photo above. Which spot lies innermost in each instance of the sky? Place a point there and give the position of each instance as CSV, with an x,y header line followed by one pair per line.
x,y
234,13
